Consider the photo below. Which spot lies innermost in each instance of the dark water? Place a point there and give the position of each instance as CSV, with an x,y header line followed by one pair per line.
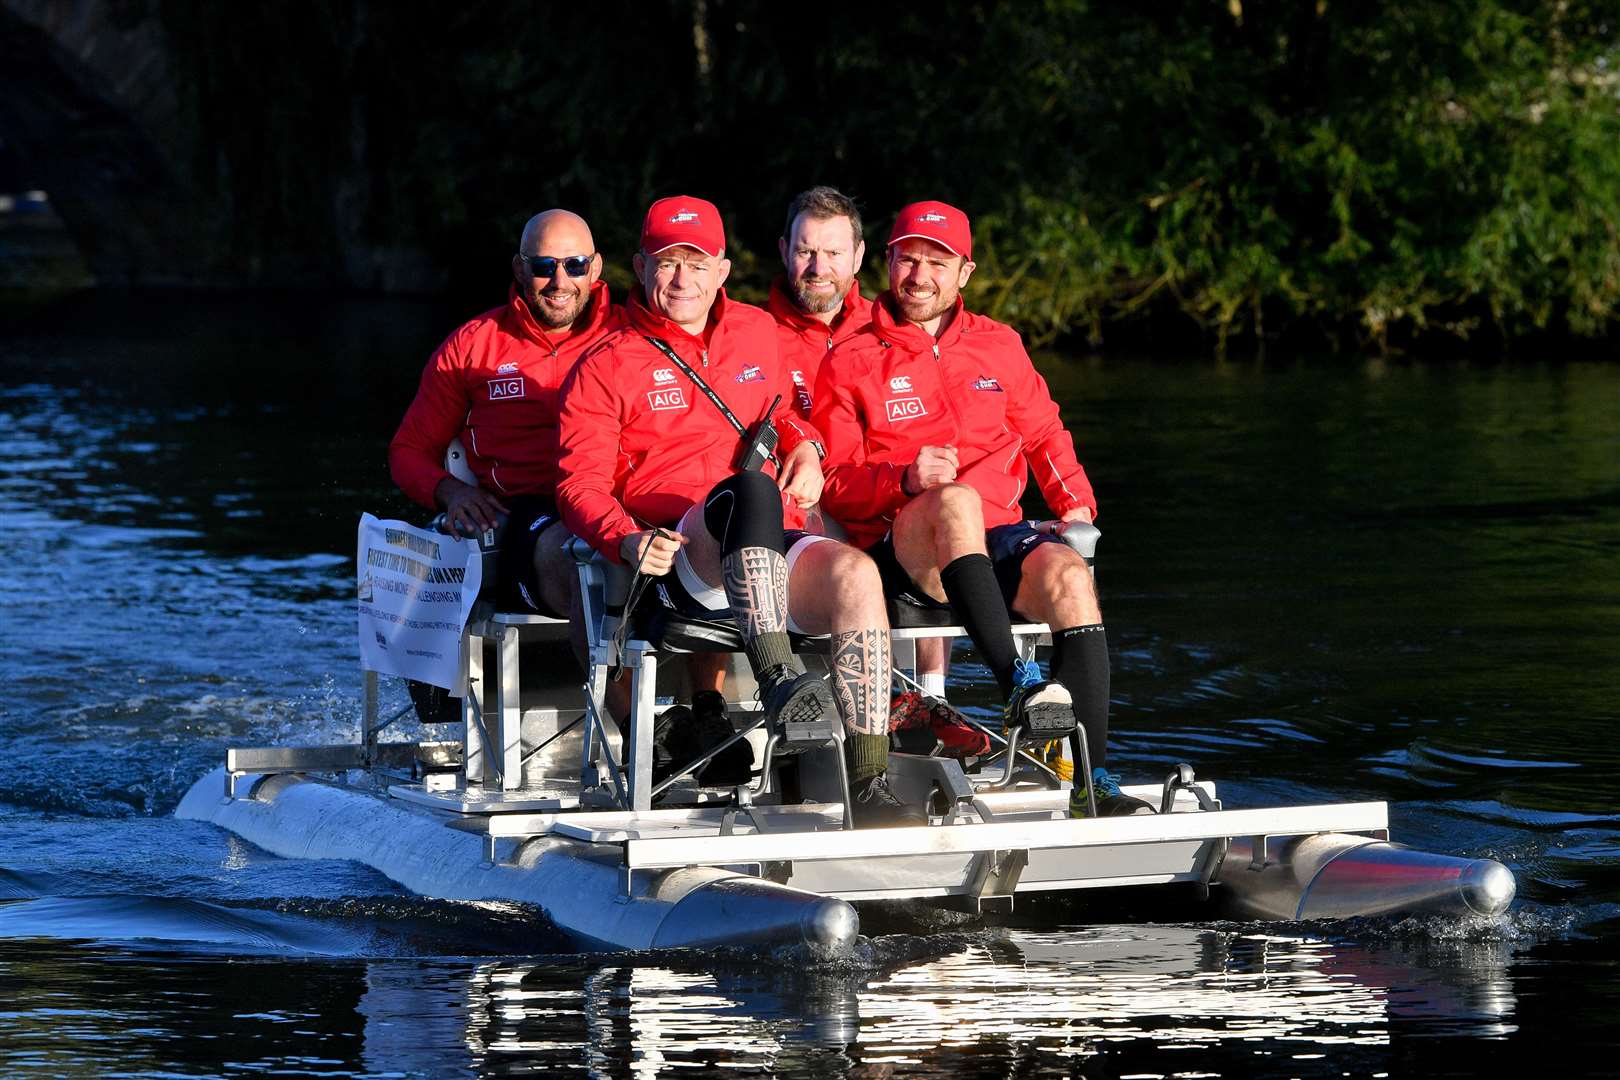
x,y
1324,580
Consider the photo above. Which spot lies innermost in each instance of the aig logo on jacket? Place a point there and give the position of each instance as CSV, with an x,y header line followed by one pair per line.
x,y
908,408
505,389
670,398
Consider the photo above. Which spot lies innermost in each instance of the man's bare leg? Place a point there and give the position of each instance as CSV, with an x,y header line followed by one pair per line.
x,y
939,541
841,594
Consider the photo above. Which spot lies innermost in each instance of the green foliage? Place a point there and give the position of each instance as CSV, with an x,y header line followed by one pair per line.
x,y
1372,171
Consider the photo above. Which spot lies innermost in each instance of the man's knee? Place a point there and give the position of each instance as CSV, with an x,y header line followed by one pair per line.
x,y
744,510
959,504
852,578
1056,579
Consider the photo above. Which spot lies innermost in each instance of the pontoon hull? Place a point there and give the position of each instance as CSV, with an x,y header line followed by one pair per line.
x,y
578,886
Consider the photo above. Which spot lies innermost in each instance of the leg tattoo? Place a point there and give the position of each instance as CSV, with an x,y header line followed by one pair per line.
x,y
756,584
861,674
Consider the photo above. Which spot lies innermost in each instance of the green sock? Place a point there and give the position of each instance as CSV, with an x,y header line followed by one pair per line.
x,y
868,756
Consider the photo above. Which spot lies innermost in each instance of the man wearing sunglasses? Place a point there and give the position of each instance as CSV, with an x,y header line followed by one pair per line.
x,y
656,476
935,418
494,384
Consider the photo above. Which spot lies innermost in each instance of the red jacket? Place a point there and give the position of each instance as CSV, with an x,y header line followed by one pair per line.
x,y
891,389
494,382
641,444
805,340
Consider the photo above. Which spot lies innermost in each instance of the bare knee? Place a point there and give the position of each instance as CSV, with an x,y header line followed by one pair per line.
x,y
854,584
1057,588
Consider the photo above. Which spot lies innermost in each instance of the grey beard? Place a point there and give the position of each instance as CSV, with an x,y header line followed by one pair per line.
x,y
811,304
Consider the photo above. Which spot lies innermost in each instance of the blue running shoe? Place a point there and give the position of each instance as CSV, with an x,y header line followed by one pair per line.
x,y
1111,802
1039,706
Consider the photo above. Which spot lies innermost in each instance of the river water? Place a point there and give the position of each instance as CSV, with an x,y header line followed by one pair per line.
x,y
1324,579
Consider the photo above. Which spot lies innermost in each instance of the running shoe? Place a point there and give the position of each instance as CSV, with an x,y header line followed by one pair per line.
x,y
794,697
1038,705
874,805
1111,802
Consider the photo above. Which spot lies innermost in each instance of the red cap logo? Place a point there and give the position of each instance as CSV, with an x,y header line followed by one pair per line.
x,y
945,225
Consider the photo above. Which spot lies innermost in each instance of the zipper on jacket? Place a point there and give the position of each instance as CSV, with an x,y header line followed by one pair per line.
x,y
940,364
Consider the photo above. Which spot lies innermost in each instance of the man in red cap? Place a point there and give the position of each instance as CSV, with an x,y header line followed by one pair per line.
x,y
934,417
493,384
652,478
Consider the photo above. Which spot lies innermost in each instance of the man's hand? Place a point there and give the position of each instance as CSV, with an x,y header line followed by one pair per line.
x,y
661,545
1079,513
801,477
935,465
468,509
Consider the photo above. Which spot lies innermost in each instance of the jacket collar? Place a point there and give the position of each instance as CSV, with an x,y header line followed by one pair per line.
x,y
909,335
647,321
597,312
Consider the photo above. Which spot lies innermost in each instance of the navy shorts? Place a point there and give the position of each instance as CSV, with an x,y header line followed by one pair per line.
x,y
517,587
1008,547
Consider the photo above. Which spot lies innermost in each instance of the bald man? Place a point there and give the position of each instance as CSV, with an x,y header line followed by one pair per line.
x,y
493,383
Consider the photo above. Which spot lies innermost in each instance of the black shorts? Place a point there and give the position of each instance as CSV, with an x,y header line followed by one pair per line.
x,y
1008,546
517,587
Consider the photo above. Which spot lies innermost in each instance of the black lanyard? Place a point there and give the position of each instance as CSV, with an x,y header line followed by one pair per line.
x,y
663,347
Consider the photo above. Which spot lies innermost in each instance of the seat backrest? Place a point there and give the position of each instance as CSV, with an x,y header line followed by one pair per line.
x,y
455,462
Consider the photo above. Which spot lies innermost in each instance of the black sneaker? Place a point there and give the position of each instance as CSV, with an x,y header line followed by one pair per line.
x,y
672,741
735,764
874,805
794,697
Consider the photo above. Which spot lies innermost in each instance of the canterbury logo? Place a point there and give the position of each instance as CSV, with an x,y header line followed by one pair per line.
x,y
900,382
663,375
932,217
683,217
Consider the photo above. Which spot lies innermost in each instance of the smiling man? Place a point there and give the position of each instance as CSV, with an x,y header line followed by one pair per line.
x,y
816,301
494,384
934,418
652,478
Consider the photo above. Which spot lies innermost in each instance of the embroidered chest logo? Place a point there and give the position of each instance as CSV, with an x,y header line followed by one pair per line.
x,y
900,383
985,382
671,398
798,378
663,375
505,389
507,368
751,373
906,408
801,392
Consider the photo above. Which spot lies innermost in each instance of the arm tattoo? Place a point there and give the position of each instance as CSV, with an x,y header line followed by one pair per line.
x,y
861,674
755,581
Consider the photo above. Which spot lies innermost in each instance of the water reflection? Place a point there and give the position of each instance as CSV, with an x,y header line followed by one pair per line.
x,y
1009,996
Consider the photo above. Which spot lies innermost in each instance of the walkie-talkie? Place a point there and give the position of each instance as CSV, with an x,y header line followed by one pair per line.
x,y
759,441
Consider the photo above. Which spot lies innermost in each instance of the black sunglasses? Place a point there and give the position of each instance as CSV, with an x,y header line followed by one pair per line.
x,y
545,266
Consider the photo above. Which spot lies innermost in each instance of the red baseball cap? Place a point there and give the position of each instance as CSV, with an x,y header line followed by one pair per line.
x,y
682,219
940,222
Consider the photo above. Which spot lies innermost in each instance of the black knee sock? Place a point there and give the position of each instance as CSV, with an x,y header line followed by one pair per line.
x,y
970,586
1080,663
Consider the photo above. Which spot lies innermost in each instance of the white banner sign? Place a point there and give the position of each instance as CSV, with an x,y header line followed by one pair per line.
x,y
416,589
